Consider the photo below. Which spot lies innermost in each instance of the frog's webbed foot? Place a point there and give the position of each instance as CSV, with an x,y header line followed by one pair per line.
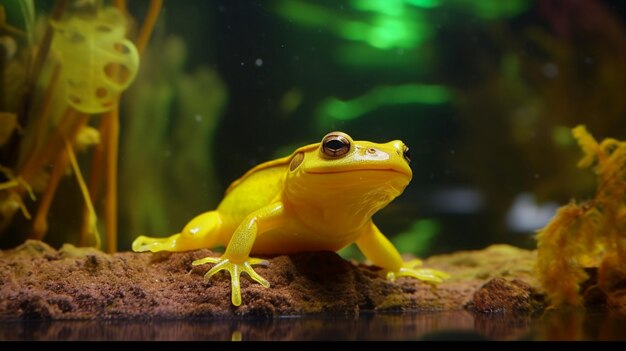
x,y
424,274
235,270
144,243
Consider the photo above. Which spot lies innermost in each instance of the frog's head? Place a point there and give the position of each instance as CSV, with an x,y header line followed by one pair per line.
x,y
343,171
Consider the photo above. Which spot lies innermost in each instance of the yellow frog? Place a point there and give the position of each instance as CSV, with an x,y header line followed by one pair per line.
x,y
321,197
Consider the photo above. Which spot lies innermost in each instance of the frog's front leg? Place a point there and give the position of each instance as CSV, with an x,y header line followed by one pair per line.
x,y
236,259
377,248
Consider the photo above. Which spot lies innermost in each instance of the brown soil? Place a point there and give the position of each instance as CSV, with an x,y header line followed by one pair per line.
x,y
37,281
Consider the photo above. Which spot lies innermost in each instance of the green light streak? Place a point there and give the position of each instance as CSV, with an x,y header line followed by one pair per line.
x,y
306,14
385,7
427,4
381,96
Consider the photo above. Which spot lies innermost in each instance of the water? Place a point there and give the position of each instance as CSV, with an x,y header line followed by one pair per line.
x,y
457,325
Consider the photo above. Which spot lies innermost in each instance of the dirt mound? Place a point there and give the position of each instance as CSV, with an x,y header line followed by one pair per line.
x,y
37,281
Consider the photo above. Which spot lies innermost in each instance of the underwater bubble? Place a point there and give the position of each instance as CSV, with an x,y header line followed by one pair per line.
x,y
526,215
258,62
460,200
550,70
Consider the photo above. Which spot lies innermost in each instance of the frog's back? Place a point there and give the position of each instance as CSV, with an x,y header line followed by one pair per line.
x,y
259,187
253,191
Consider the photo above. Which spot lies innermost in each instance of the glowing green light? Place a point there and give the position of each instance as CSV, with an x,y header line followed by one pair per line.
x,y
384,95
390,25
428,4
391,32
418,238
366,56
354,30
305,14
385,7
351,252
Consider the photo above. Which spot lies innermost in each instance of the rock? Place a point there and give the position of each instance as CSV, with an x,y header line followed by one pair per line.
x,y
39,282
502,295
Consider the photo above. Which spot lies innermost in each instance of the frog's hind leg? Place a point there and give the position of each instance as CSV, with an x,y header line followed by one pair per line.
x,y
201,232
145,243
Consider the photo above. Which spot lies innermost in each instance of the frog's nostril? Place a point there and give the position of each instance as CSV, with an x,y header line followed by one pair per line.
x,y
406,154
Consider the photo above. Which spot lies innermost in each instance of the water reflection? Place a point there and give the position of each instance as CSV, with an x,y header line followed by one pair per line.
x,y
459,325
581,325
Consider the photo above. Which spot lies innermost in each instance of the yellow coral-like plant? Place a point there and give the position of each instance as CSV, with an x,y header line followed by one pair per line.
x,y
582,235
99,62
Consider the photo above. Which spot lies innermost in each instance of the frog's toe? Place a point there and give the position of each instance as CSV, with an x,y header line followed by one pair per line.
x,y
235,270
424,274
206,260
416,262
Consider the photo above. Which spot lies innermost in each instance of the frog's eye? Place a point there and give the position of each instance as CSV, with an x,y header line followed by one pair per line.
x,y
335,144
406,154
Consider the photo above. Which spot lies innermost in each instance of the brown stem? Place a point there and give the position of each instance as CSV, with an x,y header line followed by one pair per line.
x,y
95,179
40,223
34,164
110,195
148,25
111,138
120,4
76,121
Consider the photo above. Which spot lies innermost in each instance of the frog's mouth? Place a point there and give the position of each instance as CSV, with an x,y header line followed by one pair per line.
x,y
356,170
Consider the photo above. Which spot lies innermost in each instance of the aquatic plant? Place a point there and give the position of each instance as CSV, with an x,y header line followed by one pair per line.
x,y
587,234
83,63
170,138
